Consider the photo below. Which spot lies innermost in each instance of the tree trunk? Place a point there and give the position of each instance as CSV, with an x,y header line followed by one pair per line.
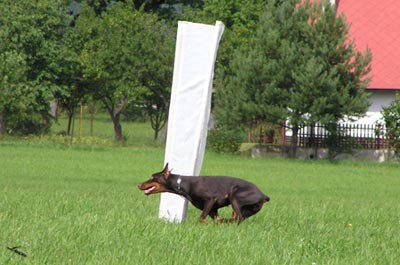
x,y
73,126
333,140
156,134
164,132
117,127
2,124
115,113
54,108
91,110
293,143
70,115
80,120
312,142
157,120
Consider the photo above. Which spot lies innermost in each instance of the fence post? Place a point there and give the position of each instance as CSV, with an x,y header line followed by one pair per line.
x,y
283,133
73,125
80,120
91,110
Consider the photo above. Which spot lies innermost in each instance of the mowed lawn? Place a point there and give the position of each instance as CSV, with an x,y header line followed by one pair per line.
x,y
79,205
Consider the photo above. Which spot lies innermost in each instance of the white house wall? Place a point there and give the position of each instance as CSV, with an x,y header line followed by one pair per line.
x,y
378,100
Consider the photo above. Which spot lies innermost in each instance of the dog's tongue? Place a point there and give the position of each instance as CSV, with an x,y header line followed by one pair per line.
x,y
149,189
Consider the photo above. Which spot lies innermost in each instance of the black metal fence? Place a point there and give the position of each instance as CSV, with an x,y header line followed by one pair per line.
x,y
349,136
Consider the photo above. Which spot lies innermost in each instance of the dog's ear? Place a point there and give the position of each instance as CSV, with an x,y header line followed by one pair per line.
x,y
166,171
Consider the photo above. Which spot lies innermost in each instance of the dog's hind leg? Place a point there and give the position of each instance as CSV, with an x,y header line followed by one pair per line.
x,y
234,217
237,211
214,215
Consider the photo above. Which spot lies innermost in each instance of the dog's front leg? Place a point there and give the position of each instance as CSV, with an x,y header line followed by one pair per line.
x,y
208,204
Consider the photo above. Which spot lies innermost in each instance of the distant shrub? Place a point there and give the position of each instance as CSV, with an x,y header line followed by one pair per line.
x,y
27,123
391,117
224,140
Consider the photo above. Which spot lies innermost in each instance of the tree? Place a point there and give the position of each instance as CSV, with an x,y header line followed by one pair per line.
x,y
29,38
240,18
128,56
391,117
157,108
12,76
73,88
301,68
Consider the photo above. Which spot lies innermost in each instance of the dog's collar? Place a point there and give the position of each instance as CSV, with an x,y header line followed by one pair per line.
x,y
178,182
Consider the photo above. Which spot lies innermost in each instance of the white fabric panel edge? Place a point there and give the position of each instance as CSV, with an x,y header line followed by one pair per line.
x,y
189,112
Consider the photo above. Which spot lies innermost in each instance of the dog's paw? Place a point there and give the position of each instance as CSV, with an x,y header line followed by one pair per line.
x,y
203,220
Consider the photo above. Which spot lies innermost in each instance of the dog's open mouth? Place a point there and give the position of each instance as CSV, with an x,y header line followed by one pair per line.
x,y
149,190
151,187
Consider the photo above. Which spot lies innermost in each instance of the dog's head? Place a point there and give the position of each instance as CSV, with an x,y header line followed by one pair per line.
x,y
157,183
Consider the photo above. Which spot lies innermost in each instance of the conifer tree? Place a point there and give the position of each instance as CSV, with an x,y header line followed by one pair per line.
x,y
301,69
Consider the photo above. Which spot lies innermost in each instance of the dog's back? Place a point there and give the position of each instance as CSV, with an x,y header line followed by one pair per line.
x,y
226,185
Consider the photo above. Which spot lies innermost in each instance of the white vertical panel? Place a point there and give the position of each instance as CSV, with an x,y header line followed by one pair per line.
x,y
189,112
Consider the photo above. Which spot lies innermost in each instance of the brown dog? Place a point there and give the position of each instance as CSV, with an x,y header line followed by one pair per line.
x,y
209,193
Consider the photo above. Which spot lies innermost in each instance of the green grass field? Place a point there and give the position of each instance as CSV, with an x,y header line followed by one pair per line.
x,y
81,205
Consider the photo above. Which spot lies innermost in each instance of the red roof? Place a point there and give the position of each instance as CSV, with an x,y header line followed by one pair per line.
x,y
376,24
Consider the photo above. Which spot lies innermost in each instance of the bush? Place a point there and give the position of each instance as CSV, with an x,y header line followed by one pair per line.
x,y
26,123
224,141
391,116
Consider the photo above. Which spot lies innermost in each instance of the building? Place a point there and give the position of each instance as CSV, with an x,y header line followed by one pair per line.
x,y
376,25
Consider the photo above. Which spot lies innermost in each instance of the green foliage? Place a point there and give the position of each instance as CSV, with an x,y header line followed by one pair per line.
x,y
336,136
29,43
114,53
391,117
240,18
12,76
301,68
128,57
126,52
224,141
74,88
